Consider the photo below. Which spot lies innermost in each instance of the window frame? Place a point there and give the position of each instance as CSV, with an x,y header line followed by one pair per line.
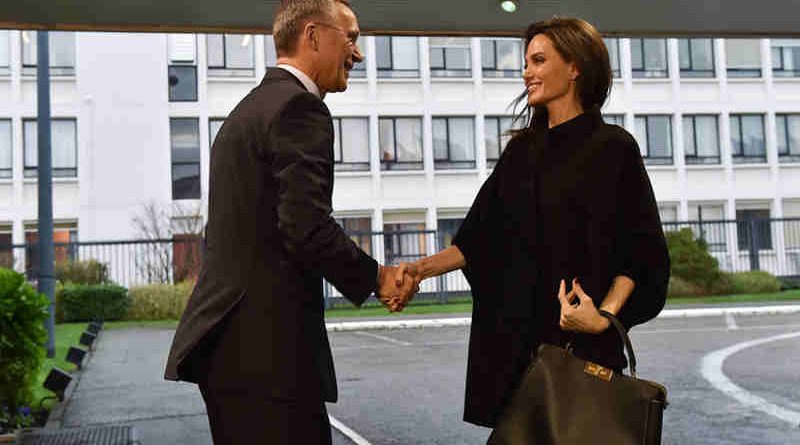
x,y
349,166
224,70
738,157
792,153
399,73
32,172
173,163
448,163
492,72
8,173
402,165
691,72
695,159
656,160
498,136
642,73
29,69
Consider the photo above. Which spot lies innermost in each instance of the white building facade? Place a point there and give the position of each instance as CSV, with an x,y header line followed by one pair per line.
x,y
418,130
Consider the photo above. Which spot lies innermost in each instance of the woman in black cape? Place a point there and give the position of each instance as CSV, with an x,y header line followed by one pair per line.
x,y
565,225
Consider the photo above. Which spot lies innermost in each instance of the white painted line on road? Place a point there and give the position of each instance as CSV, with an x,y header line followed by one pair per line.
x,y
711,368
730,321
384,338
352,435
636,331
466,321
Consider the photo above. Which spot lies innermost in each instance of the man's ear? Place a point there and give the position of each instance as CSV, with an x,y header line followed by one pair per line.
x,y
311,34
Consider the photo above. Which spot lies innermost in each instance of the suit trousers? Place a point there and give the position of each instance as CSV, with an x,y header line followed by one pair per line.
x,y
245,417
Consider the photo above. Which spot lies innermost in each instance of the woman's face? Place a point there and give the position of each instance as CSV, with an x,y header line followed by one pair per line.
x,y
548,77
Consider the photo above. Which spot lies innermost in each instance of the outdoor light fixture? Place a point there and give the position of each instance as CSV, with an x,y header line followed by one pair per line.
x,y
95,327
57,381
75,356
508,5
87,338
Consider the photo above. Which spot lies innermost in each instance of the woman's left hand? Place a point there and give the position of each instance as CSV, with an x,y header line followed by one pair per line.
x,y
582,316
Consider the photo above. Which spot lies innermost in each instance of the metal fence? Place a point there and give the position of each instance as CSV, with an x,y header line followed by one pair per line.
x,y
772,245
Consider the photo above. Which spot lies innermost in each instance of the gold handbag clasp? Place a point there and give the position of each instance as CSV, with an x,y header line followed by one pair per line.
x,y
598,371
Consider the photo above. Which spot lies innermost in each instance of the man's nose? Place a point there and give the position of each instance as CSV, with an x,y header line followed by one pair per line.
x,y
357,56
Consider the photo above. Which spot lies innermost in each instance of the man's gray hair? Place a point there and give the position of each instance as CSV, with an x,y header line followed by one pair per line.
x,y
292,15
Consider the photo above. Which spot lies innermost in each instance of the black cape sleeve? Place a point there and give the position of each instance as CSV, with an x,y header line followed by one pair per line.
x,y
642,253
476,236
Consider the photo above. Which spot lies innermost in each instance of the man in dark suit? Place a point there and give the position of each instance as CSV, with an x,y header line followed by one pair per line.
x,y
253,335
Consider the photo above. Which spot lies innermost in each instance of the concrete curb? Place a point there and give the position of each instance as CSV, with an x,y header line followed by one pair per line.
x,y
56,417
466,321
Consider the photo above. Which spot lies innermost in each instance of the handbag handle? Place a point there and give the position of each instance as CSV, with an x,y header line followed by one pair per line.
x,y
621,330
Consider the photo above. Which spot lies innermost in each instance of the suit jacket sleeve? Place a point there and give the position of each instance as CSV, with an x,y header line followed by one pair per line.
x,y
301,137
641,248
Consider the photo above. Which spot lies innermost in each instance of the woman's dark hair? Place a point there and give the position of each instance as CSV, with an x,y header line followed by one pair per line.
x,y
578,42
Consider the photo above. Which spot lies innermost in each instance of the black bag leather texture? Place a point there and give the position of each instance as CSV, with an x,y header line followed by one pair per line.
x,y
563,399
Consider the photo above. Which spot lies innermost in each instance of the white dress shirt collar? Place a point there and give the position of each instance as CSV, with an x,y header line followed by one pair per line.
x,y
303,78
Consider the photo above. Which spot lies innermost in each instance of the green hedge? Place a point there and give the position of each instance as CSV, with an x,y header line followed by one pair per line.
x,y
82,272
691,262
84,302
159,301
754,282
23,312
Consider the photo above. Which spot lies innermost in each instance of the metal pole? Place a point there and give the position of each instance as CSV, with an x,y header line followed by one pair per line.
x,y
46,279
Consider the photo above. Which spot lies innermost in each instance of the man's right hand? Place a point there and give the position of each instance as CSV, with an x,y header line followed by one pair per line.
x,y
394,292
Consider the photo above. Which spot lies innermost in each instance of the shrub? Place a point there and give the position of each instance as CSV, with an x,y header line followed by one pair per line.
x,y
82,272
678,287
23,312
691,262
159,301
83,302
755,282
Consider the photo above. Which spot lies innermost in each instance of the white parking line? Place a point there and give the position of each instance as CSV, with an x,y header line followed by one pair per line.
x,y
384,338
730,321
466,321
350,434
711,368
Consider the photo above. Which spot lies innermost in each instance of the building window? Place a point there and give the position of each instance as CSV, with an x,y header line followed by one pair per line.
x,y
62,53
696,57
450,57
707,226
6,246
359,230
185,151
404,242
351,143
649,58
788,137
270,53
400,140
64,237
359,70
654,135
701,139
612,44
753,229
230,55
214,124
63,146
454,142
747,138
785,57
446,231
496,135
501,58
743,57
6,149
397,56
615,119
5,53
182,69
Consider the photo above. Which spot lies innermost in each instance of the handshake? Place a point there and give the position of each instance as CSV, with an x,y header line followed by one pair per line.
x,y
397,285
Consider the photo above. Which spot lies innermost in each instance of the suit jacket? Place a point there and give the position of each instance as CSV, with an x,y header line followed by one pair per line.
x,y
254,321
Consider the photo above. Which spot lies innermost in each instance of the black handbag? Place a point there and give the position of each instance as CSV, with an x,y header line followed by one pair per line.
x,y
563,399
